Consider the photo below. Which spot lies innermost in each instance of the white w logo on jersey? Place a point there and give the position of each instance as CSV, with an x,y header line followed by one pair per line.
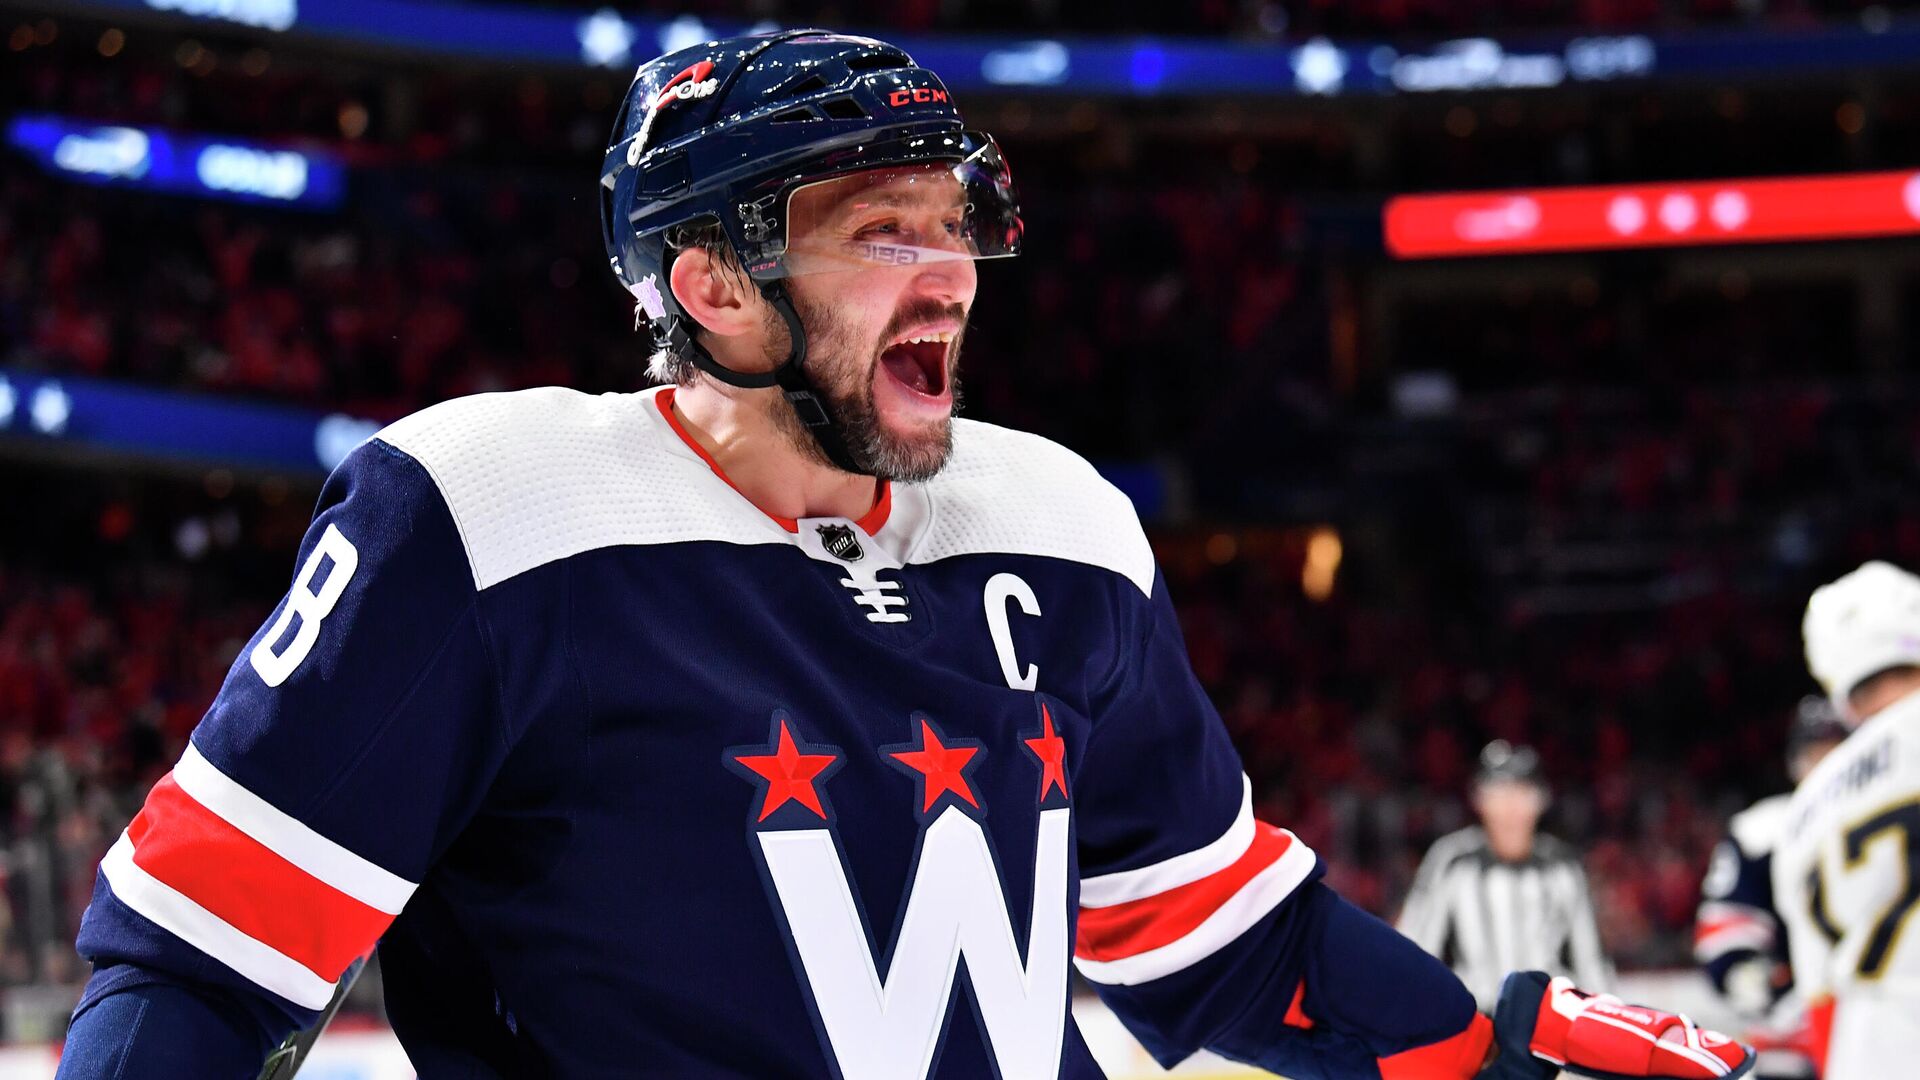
x,y
889,1029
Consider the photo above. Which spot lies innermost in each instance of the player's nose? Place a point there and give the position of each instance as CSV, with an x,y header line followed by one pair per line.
x,y
947,282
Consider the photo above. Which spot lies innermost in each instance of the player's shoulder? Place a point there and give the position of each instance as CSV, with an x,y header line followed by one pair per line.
x,y
541,428
1898,722
1862,757
535,476
1882,754
1014,492
1757,829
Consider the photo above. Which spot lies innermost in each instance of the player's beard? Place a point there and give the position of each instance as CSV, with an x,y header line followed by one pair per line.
x,y
844,371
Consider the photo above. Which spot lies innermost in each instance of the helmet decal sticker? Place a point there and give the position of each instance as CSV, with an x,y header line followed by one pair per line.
x,y
919,95
695,81
647,295
692,83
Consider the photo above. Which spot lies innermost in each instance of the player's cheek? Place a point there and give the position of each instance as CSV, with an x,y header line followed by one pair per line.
x,y
969,272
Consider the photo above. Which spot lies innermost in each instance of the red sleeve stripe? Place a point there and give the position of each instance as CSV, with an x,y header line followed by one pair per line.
x,y
246,885
1717,939
1155,936
287,837
1723,926
198,927
1125,886
249,885
1714,911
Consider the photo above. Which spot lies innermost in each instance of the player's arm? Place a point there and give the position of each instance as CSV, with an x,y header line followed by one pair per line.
x,y
1202,927
350,742
1735,932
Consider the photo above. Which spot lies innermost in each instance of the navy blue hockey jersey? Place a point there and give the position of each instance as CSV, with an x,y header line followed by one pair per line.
x,y
627,778
1737,921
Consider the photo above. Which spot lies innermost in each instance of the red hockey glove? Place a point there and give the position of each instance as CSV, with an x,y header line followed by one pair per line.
x,y
1782,1055
1799,1048
1545,1024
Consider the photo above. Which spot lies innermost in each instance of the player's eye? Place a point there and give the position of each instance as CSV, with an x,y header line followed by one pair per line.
x,y
878,228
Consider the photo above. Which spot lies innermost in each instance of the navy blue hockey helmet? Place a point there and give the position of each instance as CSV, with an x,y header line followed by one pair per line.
x,y
1815,720
725,133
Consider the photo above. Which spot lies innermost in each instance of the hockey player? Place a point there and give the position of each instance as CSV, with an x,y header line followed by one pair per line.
x,y
738,728
1846,873
1738,937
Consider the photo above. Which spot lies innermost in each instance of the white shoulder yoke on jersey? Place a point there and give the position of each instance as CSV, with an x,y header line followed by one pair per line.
x,y
1015,492
1757,828
536,476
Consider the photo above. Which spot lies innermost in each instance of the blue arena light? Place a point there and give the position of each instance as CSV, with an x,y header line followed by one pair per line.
x,y
599,35
263,14
107,415
1148,68
180,164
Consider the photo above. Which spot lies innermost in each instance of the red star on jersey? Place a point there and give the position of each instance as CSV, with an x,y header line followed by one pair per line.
x,y
789,774
942,768
1051,749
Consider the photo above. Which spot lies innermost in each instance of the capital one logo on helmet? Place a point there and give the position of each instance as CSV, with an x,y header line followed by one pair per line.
x,y
691,84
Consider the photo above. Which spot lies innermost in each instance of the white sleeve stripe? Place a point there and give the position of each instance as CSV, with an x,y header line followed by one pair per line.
x,y
1260,895
1124,886
1719,910
259,962
1713,945
288,838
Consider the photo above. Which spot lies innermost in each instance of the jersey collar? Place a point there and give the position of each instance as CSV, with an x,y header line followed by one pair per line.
x,y
870,523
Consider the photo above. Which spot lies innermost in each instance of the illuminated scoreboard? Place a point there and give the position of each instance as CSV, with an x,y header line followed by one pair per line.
x,y
1801,208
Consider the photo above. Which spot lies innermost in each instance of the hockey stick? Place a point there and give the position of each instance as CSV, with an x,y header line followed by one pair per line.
x,y
285,1061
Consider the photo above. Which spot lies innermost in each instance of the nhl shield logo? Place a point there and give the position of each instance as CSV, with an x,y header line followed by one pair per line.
x,y
841,543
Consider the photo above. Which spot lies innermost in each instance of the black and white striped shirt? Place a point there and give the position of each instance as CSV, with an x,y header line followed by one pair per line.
x,y
1484,917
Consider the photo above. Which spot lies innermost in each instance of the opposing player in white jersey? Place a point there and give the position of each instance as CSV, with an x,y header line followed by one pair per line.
x,y
1738,938
1846,874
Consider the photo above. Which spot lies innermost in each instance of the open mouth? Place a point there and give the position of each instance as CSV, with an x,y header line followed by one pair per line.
x,y
920,362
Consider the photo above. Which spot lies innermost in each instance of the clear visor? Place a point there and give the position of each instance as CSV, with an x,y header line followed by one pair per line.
x,y
903,215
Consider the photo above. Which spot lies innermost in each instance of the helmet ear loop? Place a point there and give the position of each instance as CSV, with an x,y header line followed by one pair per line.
x,y
790,376
800,393
682,343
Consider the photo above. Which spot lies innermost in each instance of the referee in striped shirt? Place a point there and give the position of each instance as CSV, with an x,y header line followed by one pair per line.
x,y
1500,896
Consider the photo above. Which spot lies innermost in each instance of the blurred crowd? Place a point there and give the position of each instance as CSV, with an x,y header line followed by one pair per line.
x,y
1578,508
123,599
1272,17
377,319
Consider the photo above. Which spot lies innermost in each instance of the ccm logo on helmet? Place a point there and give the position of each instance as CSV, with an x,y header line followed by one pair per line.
x,y
919,95
694,82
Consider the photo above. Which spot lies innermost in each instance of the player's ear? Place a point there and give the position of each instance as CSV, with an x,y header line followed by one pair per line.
x,y
718,297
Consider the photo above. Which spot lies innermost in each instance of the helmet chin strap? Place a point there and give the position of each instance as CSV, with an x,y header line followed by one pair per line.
x,y
790,377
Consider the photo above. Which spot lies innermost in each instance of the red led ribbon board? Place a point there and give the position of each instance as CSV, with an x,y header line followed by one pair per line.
x,y
1653,215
